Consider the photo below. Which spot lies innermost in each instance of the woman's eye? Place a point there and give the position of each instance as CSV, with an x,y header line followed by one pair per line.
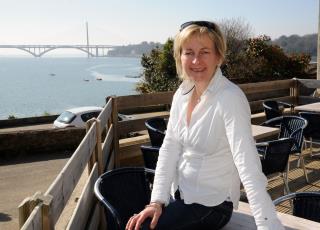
x,y
205,52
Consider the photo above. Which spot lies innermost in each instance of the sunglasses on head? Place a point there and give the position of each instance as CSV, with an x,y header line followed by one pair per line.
x,y
209,25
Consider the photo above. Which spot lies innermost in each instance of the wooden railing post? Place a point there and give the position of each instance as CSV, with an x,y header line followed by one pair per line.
x,y
294,91
27,205
98,150
47,223
115,130
93,156
24,211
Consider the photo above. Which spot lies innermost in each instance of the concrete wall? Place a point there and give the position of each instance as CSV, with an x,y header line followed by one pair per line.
x,y
36,141
27,121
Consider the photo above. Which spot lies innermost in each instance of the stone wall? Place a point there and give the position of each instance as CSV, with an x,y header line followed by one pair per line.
x,y
36,141
27,121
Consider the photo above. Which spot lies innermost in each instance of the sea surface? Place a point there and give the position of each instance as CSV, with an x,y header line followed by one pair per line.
x,y
38,86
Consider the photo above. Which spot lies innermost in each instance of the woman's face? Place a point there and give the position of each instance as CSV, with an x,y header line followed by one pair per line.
x,y
199,58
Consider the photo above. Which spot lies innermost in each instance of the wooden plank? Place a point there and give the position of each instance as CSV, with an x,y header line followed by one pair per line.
x,y
125,127
307,100
110,164
105,115
134,141
260,132
266,86
309,83
34,222
269,94
115,131
132,101
107,145
85,203
67,179
93,222
24,211
98,148
256,106
313,107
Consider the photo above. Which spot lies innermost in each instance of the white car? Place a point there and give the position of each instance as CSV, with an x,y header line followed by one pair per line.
x,y
77,117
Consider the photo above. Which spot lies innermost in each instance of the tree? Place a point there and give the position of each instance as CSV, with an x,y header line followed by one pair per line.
x,y
159,70
247,60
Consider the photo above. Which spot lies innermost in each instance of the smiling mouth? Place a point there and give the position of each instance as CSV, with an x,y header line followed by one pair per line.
x,y
198,70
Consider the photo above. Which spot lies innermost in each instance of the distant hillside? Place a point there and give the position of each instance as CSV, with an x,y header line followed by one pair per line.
x,y
299,44
133,50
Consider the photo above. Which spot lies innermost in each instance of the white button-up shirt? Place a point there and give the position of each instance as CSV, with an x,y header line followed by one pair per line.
x,y
207,159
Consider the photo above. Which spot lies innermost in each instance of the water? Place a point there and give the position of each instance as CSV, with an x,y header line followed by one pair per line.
x,y
35,86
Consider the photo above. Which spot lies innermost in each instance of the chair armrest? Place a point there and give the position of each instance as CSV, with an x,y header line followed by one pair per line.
x,y
286,105
262,144
283,198
274,122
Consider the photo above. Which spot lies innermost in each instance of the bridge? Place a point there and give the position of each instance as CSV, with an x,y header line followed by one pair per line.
x,y
40,50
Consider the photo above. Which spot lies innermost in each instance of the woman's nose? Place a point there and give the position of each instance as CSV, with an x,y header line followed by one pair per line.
x,y
195,59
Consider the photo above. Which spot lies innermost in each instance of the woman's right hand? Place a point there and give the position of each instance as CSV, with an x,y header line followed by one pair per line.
x,y
152,210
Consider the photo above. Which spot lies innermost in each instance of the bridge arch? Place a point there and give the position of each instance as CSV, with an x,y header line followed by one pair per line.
x,y
40,50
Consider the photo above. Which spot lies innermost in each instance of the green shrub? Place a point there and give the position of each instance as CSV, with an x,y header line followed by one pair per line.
x,y
247,60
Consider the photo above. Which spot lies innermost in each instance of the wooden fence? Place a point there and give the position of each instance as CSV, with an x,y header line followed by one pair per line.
x,y
41,211
294,91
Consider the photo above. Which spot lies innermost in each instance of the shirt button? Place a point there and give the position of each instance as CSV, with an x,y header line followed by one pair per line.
x,y
265,218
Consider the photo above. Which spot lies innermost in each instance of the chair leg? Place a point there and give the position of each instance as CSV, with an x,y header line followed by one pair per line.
x,y
286,189
304,168
287,174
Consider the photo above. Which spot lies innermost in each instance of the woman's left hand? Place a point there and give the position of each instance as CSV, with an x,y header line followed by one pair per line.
x,y
153,210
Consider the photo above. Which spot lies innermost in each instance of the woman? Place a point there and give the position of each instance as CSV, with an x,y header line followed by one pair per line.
x,y
208,145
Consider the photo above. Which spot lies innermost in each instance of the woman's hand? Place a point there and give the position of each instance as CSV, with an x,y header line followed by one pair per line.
x,y
152,210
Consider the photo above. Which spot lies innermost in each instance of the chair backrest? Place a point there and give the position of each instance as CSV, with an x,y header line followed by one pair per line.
x,y
271,109
276,156
290,126
123,192
313,128
150,156
293,126
156,128
305,204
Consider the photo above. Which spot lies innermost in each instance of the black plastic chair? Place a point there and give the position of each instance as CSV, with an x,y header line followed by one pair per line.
x,y
156,128
274,156
123,192
273,109
304,204
312,131
150,156
291,127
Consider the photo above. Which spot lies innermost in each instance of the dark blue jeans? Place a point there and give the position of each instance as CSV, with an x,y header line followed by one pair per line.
x,y
180,216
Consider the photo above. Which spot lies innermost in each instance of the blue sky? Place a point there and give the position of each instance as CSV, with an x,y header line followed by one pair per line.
x,y
120,22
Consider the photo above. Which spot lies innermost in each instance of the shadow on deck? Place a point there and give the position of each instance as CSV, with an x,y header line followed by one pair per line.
x,y
297,182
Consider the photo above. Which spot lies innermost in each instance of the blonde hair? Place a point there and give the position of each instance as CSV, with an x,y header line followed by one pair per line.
x,y
186,33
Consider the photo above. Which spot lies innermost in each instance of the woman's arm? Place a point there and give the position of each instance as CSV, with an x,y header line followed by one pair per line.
x,y
236,115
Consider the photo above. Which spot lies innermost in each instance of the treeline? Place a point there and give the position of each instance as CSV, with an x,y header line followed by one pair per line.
x,y
134,50
306,44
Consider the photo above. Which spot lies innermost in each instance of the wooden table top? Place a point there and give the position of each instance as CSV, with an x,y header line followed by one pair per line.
x,y
260,132
313,107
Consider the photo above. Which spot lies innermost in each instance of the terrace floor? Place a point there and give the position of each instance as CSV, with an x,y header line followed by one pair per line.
x,y
297,182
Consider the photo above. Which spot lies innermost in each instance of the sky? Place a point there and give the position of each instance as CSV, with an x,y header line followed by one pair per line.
x,y
122,22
